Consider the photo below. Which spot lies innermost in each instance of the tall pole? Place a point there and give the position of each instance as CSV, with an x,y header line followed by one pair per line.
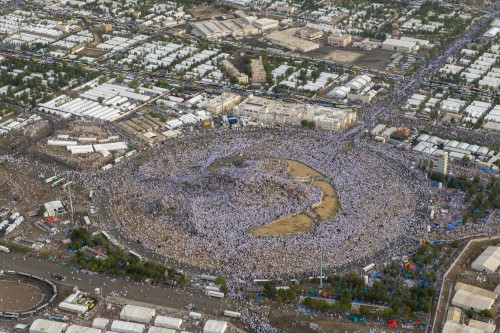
x,y
321,263
70,199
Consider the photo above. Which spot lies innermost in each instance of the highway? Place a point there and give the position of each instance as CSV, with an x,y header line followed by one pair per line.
x,y
162,296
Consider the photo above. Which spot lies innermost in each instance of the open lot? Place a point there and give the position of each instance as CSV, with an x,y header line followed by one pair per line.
x,y
25,136
289,225
208,12
17,296
77,129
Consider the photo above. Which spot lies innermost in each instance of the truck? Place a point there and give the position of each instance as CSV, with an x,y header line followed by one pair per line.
x,y
86,220
233,314
214,294
50,180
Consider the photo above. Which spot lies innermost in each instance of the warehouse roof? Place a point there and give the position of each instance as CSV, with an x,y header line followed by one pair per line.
x,y
452,327
47,326
215,326
454,314
475,290
488,261
486,327
137,313
467,300
82,329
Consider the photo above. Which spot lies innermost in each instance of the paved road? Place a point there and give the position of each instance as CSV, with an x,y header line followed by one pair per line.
x,y
163,296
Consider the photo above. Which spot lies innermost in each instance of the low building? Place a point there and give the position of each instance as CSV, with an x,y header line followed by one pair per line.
x,y
288,40
467,300
53,208
222,103
454,314
309,33
234,72
488,261
258,71
47,326
285,9
400,45
271,112
106,28
339,40
265,24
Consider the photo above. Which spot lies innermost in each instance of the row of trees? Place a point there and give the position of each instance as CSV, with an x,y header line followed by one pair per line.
x,y
118,262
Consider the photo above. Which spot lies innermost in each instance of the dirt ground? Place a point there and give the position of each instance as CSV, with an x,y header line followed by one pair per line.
x,y
374,59
289,321
339,18
330,203
345,57
78,128
289,225
297,170
16,296
93,53
207,12
302,222
16,138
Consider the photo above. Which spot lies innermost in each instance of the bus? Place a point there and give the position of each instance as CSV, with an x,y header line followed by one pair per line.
x,y
369,268
135,254
57,182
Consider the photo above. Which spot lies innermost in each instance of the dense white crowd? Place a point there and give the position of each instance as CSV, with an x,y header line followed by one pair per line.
x,y
374,195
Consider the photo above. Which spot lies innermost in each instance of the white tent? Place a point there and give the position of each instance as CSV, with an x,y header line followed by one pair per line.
x,y
137,313
100,323
488,261
47,326
486,327
154,329
82,329
126,327
168,322
452,327
215,326
467,300
475,290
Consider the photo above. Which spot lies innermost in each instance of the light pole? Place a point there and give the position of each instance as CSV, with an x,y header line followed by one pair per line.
x,y
321,263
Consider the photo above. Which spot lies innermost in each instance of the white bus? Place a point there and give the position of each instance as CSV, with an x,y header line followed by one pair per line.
x,y
369,268
135,254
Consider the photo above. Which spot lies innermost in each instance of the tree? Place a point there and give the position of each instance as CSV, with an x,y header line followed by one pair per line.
x,y
308,123
100,99
134,84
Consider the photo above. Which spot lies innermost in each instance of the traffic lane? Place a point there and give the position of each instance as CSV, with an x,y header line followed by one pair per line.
x,y
161,296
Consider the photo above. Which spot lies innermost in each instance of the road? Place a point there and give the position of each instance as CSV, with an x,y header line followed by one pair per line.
x,y
162,296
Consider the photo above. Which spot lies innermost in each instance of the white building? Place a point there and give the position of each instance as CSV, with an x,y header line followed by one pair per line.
x,y
400,45
488,261
137,313
47,326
